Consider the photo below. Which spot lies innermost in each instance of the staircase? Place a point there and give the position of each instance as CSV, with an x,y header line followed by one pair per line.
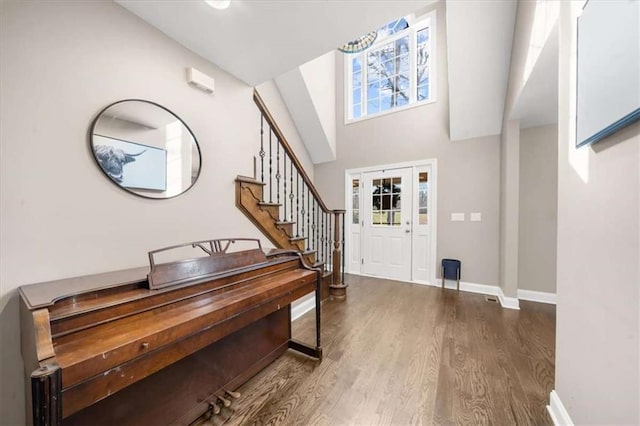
x,y
285,205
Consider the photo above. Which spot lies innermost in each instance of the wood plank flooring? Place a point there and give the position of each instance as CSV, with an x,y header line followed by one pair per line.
x,y
401,354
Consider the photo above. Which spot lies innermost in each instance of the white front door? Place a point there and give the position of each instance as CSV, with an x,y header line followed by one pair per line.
x,y
386,223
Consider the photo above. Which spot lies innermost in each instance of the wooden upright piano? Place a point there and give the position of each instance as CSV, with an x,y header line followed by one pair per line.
x,y
163,344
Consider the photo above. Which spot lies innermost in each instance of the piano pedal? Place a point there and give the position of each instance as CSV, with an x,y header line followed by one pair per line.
x,y
232,394
224,401
214,408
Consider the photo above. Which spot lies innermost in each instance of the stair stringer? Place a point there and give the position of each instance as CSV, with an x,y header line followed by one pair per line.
x,y
248,200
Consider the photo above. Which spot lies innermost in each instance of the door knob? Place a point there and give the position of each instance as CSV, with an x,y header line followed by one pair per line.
x,y
407,231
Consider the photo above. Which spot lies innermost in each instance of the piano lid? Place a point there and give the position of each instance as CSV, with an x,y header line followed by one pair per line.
x,y
219,259
41,295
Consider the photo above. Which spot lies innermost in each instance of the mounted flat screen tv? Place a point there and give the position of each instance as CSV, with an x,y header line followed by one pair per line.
x,y
608,68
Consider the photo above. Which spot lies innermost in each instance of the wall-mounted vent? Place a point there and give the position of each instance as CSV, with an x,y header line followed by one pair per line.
x,y
492,299
200,80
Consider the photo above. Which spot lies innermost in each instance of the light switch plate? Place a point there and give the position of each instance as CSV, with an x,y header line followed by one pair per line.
x,y
475,217
457,217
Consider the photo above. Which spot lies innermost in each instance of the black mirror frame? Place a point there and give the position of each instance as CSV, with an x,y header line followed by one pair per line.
x,y
91,132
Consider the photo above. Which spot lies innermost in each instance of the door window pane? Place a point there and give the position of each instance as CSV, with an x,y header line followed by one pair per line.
x,y
375,186
397,218
396,201
355,201
386,186
423,198
386,201
423,217
384,217
375,202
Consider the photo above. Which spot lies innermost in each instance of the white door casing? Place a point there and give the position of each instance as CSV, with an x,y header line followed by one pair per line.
x,y
422,206
386,223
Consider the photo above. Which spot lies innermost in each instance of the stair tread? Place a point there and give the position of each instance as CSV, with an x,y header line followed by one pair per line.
x,y
285,223
248,179
308,252
297,238
264,203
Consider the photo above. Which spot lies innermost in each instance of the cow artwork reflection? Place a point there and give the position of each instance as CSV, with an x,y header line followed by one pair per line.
x,y
112,160
145,149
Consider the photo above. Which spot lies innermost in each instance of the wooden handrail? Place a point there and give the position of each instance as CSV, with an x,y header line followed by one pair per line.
x,y
287,148
329,228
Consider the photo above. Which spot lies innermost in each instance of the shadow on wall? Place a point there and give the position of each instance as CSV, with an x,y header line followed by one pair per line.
x,y
620,136
11,368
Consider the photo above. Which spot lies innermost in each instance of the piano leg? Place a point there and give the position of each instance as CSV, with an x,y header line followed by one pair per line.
x,y
46,394
318,311
305,349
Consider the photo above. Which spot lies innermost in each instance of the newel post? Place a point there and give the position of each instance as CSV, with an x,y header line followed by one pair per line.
x,y
338,289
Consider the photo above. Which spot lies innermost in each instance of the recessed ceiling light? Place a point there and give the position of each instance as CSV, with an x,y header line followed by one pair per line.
x,y
218,4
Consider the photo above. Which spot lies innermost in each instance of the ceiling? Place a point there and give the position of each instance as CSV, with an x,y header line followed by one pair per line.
x,y
537,104
259,40
479,41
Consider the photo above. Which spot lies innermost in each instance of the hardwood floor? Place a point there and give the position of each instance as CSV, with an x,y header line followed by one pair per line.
x,y
399,354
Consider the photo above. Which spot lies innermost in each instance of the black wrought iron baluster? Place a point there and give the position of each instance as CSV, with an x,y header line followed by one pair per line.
x,y
332,233
297,203
308,224
322,237
313,227
270,167
284,158
329,240
302,212
262,153
327,255
278,176
291,189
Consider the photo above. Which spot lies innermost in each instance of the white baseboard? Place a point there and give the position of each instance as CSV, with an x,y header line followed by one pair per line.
x,y
303,307
537,296
508,302
557,412
492,290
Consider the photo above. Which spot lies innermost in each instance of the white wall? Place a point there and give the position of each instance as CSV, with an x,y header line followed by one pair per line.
x,y
61,63
538,210
310,96
598,278
509,205
320,78
479,33
534,21
468,171
280,113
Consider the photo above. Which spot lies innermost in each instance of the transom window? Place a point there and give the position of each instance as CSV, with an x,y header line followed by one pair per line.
x,y
395,72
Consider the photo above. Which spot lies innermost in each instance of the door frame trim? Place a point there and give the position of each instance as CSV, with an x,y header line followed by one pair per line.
x,y
433,188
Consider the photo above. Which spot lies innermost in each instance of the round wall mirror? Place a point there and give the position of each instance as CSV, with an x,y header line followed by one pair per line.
x,y
145,149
